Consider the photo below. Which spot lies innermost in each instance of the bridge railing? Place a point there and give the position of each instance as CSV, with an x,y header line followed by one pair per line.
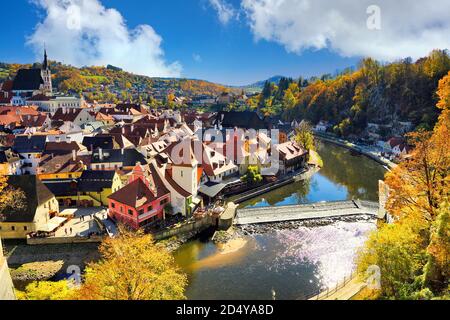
x,y
323,294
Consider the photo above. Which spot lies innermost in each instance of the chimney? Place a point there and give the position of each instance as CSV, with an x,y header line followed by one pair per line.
x,y
122,151
123,130
100,154
74,155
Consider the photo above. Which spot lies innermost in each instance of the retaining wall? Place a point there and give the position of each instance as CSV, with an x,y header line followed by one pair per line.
x,y
64,240
193,226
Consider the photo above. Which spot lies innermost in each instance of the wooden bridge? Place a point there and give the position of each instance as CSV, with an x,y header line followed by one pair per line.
x,y
306,212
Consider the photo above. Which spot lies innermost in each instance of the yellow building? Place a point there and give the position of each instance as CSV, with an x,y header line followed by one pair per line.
x,y
56,167
35,212
10,163
92,189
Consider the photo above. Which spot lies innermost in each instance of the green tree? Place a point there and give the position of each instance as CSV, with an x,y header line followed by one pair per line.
x,y
253,175
304,136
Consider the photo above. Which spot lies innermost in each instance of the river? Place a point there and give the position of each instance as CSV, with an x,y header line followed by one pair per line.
x,y
289,261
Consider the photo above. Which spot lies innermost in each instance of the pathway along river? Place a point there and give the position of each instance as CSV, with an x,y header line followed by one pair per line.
x,y
290,260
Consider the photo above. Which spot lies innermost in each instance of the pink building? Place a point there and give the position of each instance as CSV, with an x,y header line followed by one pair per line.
x,y
142,201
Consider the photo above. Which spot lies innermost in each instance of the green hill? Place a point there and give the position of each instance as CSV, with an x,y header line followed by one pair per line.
x,y
111,83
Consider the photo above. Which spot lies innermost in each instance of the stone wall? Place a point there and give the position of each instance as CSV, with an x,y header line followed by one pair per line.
x,y
63,240
6,285
189,227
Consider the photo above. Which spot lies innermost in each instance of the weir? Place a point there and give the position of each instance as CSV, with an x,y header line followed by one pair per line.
x,y
306,212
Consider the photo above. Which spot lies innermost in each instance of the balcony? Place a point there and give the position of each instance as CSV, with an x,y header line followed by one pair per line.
x,y
147,215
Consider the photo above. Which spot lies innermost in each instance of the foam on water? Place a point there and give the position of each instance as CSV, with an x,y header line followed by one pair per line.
x,y
332,248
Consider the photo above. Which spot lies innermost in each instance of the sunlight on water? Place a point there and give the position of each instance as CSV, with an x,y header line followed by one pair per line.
x,y
295,260
332,248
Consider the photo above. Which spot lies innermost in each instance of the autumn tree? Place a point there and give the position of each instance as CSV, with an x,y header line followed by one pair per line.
x,y
304,136
133,268
444,92
253,175
10,197
46,290
413,252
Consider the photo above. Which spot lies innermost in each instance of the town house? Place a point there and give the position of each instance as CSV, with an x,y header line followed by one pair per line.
x,y
142,201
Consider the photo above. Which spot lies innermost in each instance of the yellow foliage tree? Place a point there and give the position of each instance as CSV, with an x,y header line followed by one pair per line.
x,y
44,290
444,92
398,250
133,268
10,197
413,252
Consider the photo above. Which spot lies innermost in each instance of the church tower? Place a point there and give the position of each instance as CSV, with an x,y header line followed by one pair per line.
x,y
46,75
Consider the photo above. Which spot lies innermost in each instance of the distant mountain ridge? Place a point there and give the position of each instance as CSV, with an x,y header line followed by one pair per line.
x,y
260,84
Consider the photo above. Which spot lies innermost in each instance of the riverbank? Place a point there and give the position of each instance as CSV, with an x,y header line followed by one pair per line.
x,y
288,179
359,149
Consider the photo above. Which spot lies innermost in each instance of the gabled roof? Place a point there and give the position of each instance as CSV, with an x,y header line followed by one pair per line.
x,y
246,120
60,164
7,156
28,80
58,148
30,121
137,193
133,133
62,188
95,181
97,142
128,157
36,194
29,144
291,150
67,114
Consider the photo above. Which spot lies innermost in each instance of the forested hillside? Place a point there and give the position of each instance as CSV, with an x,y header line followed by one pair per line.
x,y
108,84
375,92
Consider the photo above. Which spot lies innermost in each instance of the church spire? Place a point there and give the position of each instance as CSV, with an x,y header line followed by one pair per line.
x,y
45,64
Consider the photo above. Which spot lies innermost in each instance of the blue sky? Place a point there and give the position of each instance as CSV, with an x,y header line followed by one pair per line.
x,y
198,44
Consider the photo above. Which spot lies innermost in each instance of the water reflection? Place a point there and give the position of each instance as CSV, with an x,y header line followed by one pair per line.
x,y
293,262
343,177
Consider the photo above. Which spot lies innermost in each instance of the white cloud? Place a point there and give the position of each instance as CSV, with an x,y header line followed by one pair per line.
x,y
225,11
84,32
408,28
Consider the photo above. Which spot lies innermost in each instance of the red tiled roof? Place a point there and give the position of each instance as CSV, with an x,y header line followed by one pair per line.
x,y
7,85
395,142
291,150
137,192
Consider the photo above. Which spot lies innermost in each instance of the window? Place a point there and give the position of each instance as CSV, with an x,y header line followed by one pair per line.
x,y
141,212
13,228
25,228
164,201
150,208
130,212
113,205
182,174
